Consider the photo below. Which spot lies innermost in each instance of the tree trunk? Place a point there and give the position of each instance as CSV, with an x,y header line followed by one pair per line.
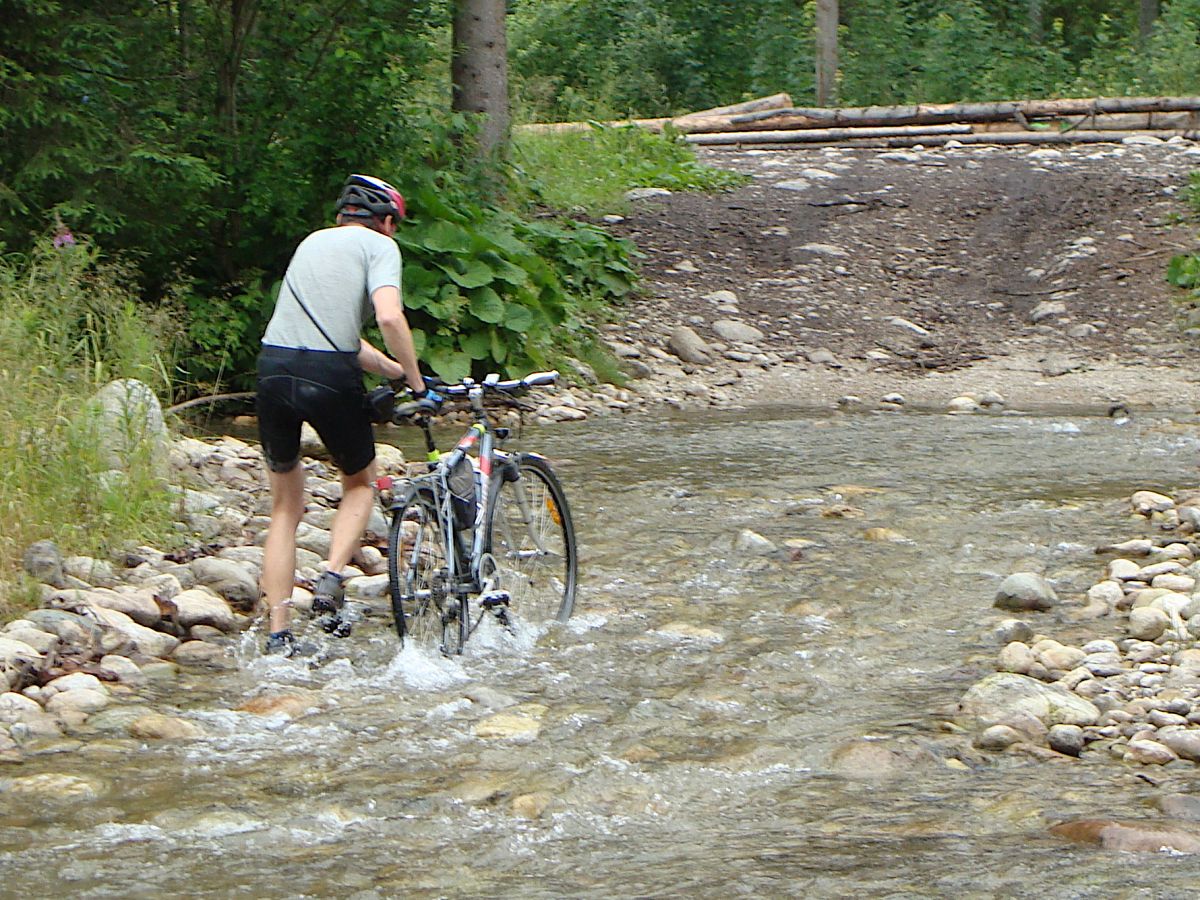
x,y
236,19
827,52
1037,27
1147,15
479,68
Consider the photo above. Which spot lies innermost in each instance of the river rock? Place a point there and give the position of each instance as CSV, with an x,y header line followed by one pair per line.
x,y
1122,570
295,703
52,787
232,581
138,605
531,806
1146,502
1181,806
998,738
1149,753
123,669
751,543
1016,656
201,654
737,332
18,661
74,630
83,700
522,722
17,708
689,346
1009,630
1025,591
1066,739
143,639
1142,837
1106,593
27,633
44,562
76,681
1147,623
1004,694
1185,744
96,572
201,607
158,727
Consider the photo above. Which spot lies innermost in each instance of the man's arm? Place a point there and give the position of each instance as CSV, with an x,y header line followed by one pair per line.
x,y
389,315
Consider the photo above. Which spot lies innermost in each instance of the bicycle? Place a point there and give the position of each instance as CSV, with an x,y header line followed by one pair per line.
x,y
494,526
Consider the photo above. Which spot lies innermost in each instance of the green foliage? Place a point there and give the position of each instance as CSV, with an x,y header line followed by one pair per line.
x,y
67,326
593,171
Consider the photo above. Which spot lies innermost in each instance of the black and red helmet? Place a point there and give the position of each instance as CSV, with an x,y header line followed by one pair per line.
x,y
372,197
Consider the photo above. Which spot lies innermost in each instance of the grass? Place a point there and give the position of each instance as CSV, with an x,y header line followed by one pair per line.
x,y
67,326
590,172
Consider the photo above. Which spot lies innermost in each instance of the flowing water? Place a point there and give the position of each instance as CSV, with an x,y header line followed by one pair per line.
x,y
689,713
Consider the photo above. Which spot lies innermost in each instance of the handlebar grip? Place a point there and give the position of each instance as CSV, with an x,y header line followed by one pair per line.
x,y
537,378
407,411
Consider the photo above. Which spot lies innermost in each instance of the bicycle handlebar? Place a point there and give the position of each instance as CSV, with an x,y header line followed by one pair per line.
x,y
490,384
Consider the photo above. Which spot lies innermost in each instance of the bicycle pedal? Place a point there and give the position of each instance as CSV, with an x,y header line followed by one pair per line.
x,y
494,599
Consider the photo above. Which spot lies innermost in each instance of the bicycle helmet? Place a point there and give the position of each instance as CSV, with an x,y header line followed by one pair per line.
x,y
372,197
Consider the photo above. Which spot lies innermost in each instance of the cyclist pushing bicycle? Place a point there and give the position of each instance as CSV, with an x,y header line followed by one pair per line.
x,y
310,370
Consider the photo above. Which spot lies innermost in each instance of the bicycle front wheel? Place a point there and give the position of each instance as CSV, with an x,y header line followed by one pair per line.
x,y
425,607
532,539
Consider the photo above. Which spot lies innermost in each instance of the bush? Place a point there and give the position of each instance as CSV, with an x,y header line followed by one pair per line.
x,y
67,326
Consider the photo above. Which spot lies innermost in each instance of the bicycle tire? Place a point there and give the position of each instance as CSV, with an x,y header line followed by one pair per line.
x,y
425,610
537,562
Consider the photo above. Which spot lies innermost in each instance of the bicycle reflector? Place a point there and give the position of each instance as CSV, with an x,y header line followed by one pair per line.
x,y
383,483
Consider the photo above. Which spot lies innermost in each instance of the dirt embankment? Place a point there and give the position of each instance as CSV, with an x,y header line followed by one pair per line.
x,y
1037,274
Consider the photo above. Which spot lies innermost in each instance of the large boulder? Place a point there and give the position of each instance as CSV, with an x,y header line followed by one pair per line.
x,y
227,577
1003,695
138,605
139,637
18,661
43,560
201,607
1025,591
129,420
689,346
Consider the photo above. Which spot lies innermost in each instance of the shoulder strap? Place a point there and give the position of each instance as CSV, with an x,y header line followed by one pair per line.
x,y
296,296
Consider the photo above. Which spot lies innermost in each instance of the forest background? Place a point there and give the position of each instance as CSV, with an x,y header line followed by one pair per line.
x,y
159,161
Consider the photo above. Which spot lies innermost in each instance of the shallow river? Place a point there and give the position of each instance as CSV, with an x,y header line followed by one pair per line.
x,y
689,712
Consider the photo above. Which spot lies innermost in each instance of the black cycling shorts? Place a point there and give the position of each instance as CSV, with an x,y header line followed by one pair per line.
x,y
322,388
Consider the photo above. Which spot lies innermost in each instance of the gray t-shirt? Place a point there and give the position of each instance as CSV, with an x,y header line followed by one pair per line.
x,y
334,271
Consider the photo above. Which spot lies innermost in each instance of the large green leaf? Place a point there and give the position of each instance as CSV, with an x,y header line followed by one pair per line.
x,y
469,273
518,317
446,237
487,306
499,346
476,345
450,364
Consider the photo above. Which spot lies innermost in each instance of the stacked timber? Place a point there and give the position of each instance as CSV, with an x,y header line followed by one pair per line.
x,y
771,122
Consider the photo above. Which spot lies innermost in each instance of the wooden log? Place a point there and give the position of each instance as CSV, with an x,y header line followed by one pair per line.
x,y
976,112
825,135
761,104
752,139
583,127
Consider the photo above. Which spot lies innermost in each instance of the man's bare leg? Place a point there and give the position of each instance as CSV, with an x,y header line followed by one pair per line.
x,y
350,520
279,556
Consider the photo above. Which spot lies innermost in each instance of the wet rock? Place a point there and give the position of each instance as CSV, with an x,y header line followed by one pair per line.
x,y
1181,806
159,727
203,655
531,806
692,631
1107,594
1136,547
868,760
520,723
884,535
1016,656
1025,591
689,346
963,404
1066,739
1004,694
751,543
44,562
1129,836
293,704
200,607
52,787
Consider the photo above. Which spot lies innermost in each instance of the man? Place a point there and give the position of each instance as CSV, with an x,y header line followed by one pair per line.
x,y
310,370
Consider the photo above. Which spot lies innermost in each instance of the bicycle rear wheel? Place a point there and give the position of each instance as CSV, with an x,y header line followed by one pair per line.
x,y
425,607
532,540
